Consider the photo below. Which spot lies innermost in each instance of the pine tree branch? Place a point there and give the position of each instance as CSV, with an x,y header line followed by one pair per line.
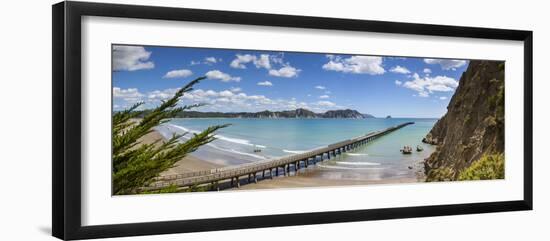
x,y
136,164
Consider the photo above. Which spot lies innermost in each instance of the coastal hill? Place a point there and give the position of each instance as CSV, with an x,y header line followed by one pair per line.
x,y
298,113
473,126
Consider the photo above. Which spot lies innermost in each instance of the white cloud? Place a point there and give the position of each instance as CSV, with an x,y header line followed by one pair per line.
x,y
130,94
325,103
427,71
263,61
225,100
216,74
131,58
320,87
124,98
447,64
225,93
235,89
277,59
443,97
356,64
239,62
228,101
400,70
423,94
265,83
285,72
180,73
207,61
427,85
266,61
162,94
212,60
324,97
397,82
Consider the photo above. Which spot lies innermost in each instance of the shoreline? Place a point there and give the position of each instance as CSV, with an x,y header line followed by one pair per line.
x,y
308,177
187,164
305,181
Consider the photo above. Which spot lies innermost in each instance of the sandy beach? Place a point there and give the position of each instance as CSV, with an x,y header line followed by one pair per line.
x,y
187,164
319,175
309,177
305,181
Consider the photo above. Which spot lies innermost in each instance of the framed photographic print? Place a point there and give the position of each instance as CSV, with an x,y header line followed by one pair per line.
x,y
169,120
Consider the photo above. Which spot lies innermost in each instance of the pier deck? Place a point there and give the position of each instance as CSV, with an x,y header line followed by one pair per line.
x,y
252,171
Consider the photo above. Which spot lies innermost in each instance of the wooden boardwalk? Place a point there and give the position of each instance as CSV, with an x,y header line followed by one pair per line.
x,y
254,171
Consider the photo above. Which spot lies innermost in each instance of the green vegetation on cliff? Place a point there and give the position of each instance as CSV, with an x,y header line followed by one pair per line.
x,y
487,168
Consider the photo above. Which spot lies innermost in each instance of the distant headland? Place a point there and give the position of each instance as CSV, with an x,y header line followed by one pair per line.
x,y
297,113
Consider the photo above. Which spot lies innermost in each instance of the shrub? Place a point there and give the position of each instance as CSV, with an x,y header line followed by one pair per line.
x,y
440,174
486,168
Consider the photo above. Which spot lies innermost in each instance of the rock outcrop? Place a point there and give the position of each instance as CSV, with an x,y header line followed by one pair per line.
x,y
473,125
347,114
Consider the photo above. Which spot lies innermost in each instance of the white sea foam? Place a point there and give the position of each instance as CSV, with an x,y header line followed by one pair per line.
x,y
357,154
359,163
301,151
171,128
221,137
181,128
238,141
235,151
349,168
293,151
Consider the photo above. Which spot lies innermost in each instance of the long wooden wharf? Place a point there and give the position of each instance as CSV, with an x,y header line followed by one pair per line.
x,y
259,170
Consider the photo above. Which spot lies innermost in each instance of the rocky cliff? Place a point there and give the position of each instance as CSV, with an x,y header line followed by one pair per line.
x,y
473,125
347,113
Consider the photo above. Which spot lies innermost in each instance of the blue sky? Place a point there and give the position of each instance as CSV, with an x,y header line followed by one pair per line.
x,y
243,80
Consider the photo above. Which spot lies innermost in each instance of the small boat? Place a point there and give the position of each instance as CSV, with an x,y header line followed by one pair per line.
x,y
419,148
257,149
406,150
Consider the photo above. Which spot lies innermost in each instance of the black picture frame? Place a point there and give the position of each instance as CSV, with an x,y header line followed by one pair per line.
x,y
66,127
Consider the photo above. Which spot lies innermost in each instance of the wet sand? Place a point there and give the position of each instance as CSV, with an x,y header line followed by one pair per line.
x,y
310,178
304,181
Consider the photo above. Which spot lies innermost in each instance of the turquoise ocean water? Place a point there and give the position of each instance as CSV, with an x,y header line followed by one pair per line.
x,y
280,137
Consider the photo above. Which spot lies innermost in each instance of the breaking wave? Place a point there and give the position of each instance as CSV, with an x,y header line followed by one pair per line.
x,y
348,168
357,154
359,163
220,137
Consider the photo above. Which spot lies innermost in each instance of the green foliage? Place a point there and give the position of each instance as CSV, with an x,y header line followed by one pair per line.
x,y
136,164
440,174
486,168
